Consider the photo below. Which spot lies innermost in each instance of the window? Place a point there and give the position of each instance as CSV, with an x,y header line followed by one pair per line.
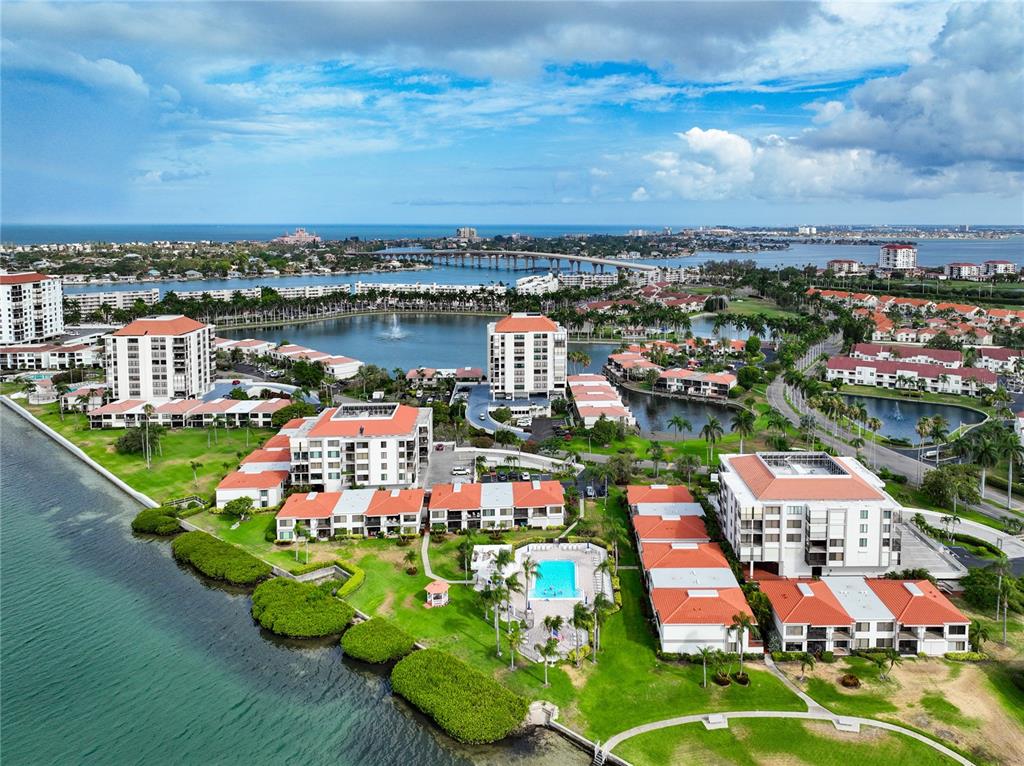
x,y
886,627
794,524
862,627
863,514
959,646
885,643
793,537
863,529
863,542
957,630
794,630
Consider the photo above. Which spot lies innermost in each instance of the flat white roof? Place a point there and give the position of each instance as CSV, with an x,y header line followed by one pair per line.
x,y
354,501
693,578
497,495
669,509
859,601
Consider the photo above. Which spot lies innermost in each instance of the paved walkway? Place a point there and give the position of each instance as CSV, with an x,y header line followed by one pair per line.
x,y
425,555
1012,546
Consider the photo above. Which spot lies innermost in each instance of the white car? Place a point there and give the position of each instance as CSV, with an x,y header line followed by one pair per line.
x,y
483,416
460,470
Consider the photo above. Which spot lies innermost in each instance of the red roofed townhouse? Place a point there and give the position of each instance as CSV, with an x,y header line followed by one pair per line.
x,y
368,512
808,617
267,459
377,444
897,374
526,359
31,307
669,529
806,513
50,356
704,385
690,619
160,358
999,359
965,310
926,621
845,266
497,505
942,357
594,398
637,494
266,488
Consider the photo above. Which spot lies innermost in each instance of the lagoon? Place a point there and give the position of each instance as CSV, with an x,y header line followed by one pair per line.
x,y
899,416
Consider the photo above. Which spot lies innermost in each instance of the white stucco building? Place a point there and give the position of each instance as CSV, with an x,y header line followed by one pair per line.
x,y
160,358
897,256
31,307
807,513
526,356
498,505
352,512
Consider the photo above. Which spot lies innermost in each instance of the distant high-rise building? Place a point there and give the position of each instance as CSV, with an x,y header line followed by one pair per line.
x,y
526,356
897,256
31,307
162,357
465,232
806,230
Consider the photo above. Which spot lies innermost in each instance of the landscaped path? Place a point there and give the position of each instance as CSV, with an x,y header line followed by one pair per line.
x,y
425,555
815,712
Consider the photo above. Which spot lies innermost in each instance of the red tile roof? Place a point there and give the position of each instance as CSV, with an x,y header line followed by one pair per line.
x,y
532,323
443,497
264,480
268,456
928,608
400,423
693,606
278,440
683,556
657,493
393,502
764,485
661,528
532,494
313,505
179,325
794,606
23,279
896,366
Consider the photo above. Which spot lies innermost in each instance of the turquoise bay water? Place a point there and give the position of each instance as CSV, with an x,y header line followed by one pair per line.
x,y
113,654
555,579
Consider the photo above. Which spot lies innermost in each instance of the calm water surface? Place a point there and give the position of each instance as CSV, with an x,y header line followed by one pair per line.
x,y
899,417
113,654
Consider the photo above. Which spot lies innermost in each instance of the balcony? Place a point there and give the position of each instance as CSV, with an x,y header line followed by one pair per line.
x,y
817,634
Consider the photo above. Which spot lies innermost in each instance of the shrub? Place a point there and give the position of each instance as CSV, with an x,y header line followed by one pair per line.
x,y
467,704
355,579
299,609
270,532
157,521
828,657
850,681
293,410
482,442
966,656
218,559
377,640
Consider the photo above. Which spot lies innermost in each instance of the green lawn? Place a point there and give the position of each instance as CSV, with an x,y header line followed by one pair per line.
x,y
970,402
750,306
756,742
250,536
915,498
170,477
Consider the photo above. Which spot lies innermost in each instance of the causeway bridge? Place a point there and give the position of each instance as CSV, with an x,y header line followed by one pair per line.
x,y
516,259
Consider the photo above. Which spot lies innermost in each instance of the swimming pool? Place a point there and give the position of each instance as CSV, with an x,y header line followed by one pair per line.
x,y
555,579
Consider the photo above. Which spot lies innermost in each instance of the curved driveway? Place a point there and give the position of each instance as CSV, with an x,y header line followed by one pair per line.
x,y
478,404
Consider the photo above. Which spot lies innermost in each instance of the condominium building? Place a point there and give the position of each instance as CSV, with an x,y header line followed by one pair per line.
x,y
31,307
998,268
807,513
499,505
914,354
705,385
897,373
594,398
377,445
526,357
971,271
537,284
159,358
50,356
845,267
87,303
897,256
999,359
845,614
367,512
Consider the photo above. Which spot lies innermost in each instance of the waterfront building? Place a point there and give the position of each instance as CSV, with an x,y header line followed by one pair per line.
x,y
998,268
31,307
587,280
160,358
249,348
595,398
497,505
187,413
807,513
897,256
428,377
83,398
806,230
845,267
366,512
969,271
999,360
433,288
630,365
88,303
299,237
704,385
900,374
537,284
366,444
526,357
266,488
665,275
339,367
466,232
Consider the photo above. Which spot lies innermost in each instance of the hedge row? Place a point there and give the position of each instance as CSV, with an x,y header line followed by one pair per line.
x,y
798,656
966,656
299,609
220,560
377,640
355,578
695,659
958,537
469,705
157,521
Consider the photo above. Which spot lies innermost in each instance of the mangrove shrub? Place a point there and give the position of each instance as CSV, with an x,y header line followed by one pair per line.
x,y
377,640
299,609
218,559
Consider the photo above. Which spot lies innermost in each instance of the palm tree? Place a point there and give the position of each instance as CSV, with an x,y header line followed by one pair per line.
x,y
706,654
657,454
547,651
604,567
580,620
516,638
498,594
741,623
806,661
923,426
301,532
939,432
147,448
875,425
893,658
711,433
410,557
1013,452
680,423
601,608
195,466
978,635
743,424
530,568
512,585
61,389
553,624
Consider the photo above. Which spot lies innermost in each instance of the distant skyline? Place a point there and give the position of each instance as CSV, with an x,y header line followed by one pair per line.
x,y
499,114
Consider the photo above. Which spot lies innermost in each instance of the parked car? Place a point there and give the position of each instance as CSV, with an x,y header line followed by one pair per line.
x,y
525,476
439,447
460,470
483,416
590,491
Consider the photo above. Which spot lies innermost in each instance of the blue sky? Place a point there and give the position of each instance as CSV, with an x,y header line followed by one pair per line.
x,y
528,112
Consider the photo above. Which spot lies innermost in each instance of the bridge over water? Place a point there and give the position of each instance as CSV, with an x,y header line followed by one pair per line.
x,y
513,258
